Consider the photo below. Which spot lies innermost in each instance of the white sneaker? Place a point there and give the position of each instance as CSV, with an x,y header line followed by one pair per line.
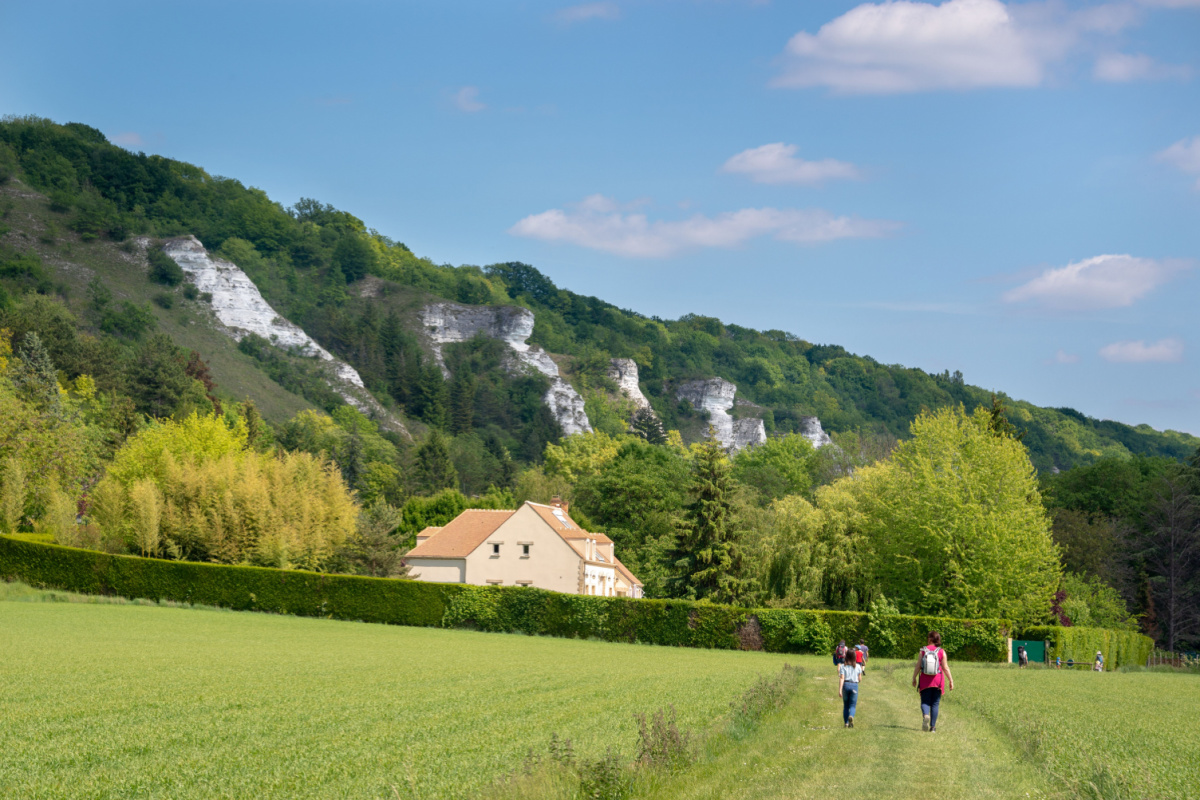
x,y
925,723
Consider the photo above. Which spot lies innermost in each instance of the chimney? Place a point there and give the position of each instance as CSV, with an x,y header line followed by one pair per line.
x,y
558,502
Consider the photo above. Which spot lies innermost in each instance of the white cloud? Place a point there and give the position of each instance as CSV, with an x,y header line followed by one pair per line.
x,y
777,163
1126,68
907,46
467,99
1184,155
1109,281
586,12
1164,350
600,223
128,139
1063,357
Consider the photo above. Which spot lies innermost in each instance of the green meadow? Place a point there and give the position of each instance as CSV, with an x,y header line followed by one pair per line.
x,y
137,700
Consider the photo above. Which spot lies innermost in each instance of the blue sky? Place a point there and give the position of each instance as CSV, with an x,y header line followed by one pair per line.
x,y
1011,190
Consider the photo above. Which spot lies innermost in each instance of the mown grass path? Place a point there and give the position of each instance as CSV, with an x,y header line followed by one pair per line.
x,y
804,752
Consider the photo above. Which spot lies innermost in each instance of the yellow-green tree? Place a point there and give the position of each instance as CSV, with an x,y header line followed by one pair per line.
x,y
955,523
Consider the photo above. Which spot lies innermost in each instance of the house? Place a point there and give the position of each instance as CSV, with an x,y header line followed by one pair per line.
x,y
536,545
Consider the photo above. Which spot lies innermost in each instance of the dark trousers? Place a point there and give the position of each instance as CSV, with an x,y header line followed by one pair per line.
x,y
930,698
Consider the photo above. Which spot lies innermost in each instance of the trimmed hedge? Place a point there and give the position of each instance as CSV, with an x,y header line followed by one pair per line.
x,y
678,623
1120,648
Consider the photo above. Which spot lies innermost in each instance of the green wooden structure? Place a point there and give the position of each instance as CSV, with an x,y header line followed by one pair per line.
x,y
1036,650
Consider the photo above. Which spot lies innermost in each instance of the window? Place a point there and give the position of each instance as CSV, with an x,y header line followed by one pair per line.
x,y
525,550
496,548
558,513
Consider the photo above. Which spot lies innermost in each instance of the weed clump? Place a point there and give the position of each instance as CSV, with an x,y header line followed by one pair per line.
x,y
765,695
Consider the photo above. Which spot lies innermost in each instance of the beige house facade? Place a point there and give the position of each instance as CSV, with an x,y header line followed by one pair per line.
x,y
536,545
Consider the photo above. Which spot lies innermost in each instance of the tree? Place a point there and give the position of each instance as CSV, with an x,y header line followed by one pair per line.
x,y
706,556
956,525
462,402
998,422
196,369
430,399
354,255
779,466
163,268
435,470
158,378
1171,552
647,425
36,378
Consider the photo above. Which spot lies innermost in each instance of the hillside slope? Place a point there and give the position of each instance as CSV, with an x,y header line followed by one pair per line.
x,y
368,300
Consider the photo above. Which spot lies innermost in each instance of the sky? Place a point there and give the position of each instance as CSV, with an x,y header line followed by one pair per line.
x,y
1010,190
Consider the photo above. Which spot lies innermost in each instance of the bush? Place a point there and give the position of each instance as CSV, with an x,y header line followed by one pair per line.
x,y
131,321
163,268
190,292
1120,648
164,300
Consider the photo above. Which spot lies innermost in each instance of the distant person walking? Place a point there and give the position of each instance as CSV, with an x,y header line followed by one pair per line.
x,y
1058,662
861,654
930,676
839,653
849,676
1098,666
1022,657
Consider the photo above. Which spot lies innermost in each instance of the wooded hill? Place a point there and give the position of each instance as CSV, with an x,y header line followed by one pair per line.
x,y
76,198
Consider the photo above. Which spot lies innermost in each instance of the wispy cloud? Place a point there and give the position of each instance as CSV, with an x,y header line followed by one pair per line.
x,y
1138,352
1108,281
777,163
1184,155
1127,68
586,12
1063,357
467,99
600,223
907,46
128,139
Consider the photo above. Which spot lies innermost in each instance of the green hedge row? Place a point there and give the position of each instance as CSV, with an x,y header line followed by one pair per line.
x,y
1120,648
510,609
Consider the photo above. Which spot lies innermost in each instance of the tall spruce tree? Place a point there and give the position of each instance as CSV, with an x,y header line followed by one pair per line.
x,y
36,378
435,470
647,425
431,397
707,559
462,402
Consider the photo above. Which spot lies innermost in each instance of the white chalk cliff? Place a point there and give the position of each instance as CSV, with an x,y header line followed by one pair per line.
x,y
810,428
446,323
242,310
624,372
715,397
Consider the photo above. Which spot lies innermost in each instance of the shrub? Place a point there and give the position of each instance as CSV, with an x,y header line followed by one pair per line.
x,y
1120,647
164,300
190,292
661,744
132,320
163,268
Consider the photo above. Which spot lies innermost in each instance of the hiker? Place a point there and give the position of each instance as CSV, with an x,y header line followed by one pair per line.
x,y
930,676
861,654
849,676
1022,657
1099,665
839,653
1058,662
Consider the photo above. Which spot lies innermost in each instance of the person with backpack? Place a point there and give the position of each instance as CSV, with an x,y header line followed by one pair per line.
x,y
839,653
1098,665
931,676
849,676
1022,657
861,654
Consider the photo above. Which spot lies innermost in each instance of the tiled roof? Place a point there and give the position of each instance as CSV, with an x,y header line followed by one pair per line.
x,y
567,528
462,535
430,531
626,574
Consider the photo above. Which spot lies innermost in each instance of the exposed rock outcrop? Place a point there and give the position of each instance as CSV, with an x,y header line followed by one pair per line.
x,y
715,397
624,372
242,310
810,428
446,323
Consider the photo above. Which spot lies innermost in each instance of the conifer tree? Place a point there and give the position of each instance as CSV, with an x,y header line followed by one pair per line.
x,y
431,396
462,402
435,470
707,559
36,378
998,421
648,426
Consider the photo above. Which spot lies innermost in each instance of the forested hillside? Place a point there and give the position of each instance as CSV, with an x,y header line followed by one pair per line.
x,y
357,293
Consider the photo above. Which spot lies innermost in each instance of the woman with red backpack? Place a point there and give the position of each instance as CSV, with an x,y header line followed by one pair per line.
x,y
931,676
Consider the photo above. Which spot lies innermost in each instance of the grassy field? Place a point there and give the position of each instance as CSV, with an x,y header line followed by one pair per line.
x,y
131,701
118,700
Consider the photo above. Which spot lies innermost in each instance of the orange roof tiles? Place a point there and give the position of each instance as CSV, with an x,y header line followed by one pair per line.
x,y
625,573
461,535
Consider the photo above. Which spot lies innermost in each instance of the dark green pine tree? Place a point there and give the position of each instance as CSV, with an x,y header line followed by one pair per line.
x,y
35,376
999,424
708,562
431,398
647,425
351,459
462,402
435,470
508,467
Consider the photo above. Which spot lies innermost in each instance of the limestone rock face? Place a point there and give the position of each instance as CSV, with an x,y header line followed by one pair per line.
x,y
715,397
242,310
810,428
624,371
446,323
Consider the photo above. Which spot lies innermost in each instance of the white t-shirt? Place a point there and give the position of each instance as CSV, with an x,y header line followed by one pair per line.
x,y
851,672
